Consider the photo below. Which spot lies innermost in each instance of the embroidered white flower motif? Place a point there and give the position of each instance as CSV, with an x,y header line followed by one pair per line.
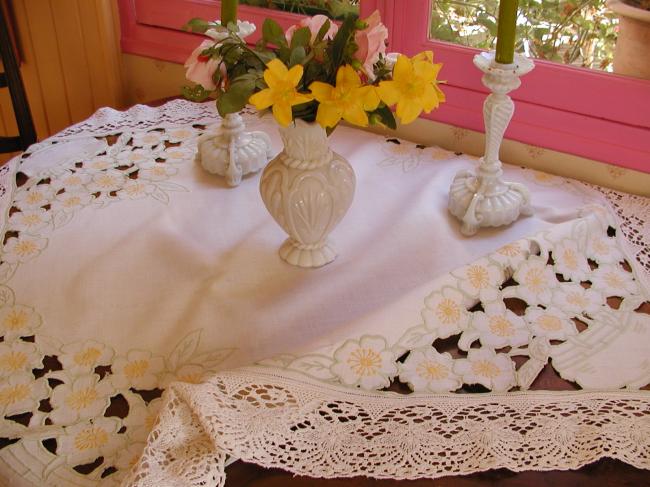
x,y
22,248
84,442
484,366
18,321
512,254
480,280
80,357
128,457
34,197
551,323
18,356
71,181
177,155
613,280
107,181
499,327
405,154
157,171
367,363
139,369
100,163
573,298
69,202
86,396
536,281
136,189
30,221
21,393
136,156
570,261
439,154
148,139
181,134
445,312
604,250
142,417
427,370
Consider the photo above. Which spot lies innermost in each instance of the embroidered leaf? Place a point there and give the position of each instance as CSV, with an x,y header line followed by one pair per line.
x,y
184,351
169,186
418,336
7,296
282,361
6,271
160,195
317,366
61,218
49,345
211,360
528,372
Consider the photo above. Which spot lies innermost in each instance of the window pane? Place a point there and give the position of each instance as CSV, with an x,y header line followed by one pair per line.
x,y
575,32
334,9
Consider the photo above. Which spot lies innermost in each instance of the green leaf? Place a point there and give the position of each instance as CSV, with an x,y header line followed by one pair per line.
x,y
386,115
273,33
297,56
197,25
236,98
341,41
322,31
301,38
195,93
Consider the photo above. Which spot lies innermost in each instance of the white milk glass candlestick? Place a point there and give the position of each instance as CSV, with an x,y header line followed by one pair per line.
x,y
482,198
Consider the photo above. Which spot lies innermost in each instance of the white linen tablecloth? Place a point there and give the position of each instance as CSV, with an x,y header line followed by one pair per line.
x,y
126,268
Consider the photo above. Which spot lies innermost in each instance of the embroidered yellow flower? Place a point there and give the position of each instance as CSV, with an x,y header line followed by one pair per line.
x,y
348,100
281,92
414,87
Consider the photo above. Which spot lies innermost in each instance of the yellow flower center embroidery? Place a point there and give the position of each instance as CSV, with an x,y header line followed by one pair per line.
x,y
31,220
543,176
485,368
91,438
535,279
478,276
175,155
15,320
101,164
88,356
158,171
570,259
13,361
448,311
106,181
500,326
179,134
134,189
509,250
72,201
600,247
34,198
432,371
577,299
614,280
150,138
136,368
72,181
81,399
549,323
13,394
26,248
364,361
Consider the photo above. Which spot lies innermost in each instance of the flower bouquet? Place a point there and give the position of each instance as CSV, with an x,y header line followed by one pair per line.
x,y
311,77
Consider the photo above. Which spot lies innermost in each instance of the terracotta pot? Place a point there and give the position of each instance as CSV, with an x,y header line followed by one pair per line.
x,y
632,53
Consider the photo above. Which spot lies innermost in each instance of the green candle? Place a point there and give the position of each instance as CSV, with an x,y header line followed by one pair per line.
x,y
228,12
506,31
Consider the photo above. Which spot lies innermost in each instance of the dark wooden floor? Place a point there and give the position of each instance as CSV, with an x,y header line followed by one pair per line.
x,y
604,473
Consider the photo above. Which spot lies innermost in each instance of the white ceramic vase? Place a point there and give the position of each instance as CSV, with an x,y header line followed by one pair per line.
x,y
307,189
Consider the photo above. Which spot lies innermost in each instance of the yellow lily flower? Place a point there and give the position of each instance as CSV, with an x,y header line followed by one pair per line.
x,y
348,100
414,87
281,91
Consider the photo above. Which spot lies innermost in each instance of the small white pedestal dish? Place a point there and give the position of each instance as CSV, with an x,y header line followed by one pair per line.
x,y
482,198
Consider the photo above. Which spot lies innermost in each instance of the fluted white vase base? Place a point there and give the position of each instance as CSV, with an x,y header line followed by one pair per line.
x,y
300,255
479,205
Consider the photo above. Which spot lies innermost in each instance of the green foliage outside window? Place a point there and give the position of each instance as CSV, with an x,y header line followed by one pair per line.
x,y
577,32
334,9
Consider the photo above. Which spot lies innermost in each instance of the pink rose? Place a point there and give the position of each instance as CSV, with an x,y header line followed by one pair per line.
x,y
314,23
371,42
200,69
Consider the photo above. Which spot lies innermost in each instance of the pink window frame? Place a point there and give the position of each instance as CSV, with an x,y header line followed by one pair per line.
x,y
599,116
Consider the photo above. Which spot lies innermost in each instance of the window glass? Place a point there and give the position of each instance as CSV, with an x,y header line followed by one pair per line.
x,y
574,32
334,9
